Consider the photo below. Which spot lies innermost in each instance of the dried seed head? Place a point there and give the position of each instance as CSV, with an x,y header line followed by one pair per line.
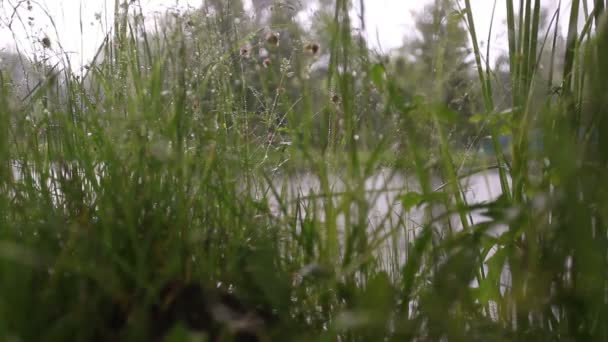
x,y
266,63
312,48
335,98
245,52
272,38
46,42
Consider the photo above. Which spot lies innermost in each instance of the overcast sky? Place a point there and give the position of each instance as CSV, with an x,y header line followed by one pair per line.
x,y
81,24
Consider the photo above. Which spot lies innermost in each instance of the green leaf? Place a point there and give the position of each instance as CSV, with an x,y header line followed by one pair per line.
x,y
477,118
180,333
378,296
489,287
376,74
411,199
445,114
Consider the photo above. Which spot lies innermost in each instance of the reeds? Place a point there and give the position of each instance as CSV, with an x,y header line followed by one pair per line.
x,y
167,175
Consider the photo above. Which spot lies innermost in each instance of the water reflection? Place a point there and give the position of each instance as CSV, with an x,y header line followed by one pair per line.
x,y
387,222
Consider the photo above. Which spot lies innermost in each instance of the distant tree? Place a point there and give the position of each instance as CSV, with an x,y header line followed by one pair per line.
x,y
225,12
260,6
21,71
437,63
442,54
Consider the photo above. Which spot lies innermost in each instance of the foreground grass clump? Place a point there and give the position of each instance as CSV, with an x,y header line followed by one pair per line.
x,y
154,197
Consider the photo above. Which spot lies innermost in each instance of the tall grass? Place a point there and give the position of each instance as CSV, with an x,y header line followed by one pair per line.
x,y
155,196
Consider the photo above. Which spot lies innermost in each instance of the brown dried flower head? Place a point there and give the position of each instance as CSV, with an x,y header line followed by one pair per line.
x,y
272,38
245,52
266,63
46,42
335,98
312,48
